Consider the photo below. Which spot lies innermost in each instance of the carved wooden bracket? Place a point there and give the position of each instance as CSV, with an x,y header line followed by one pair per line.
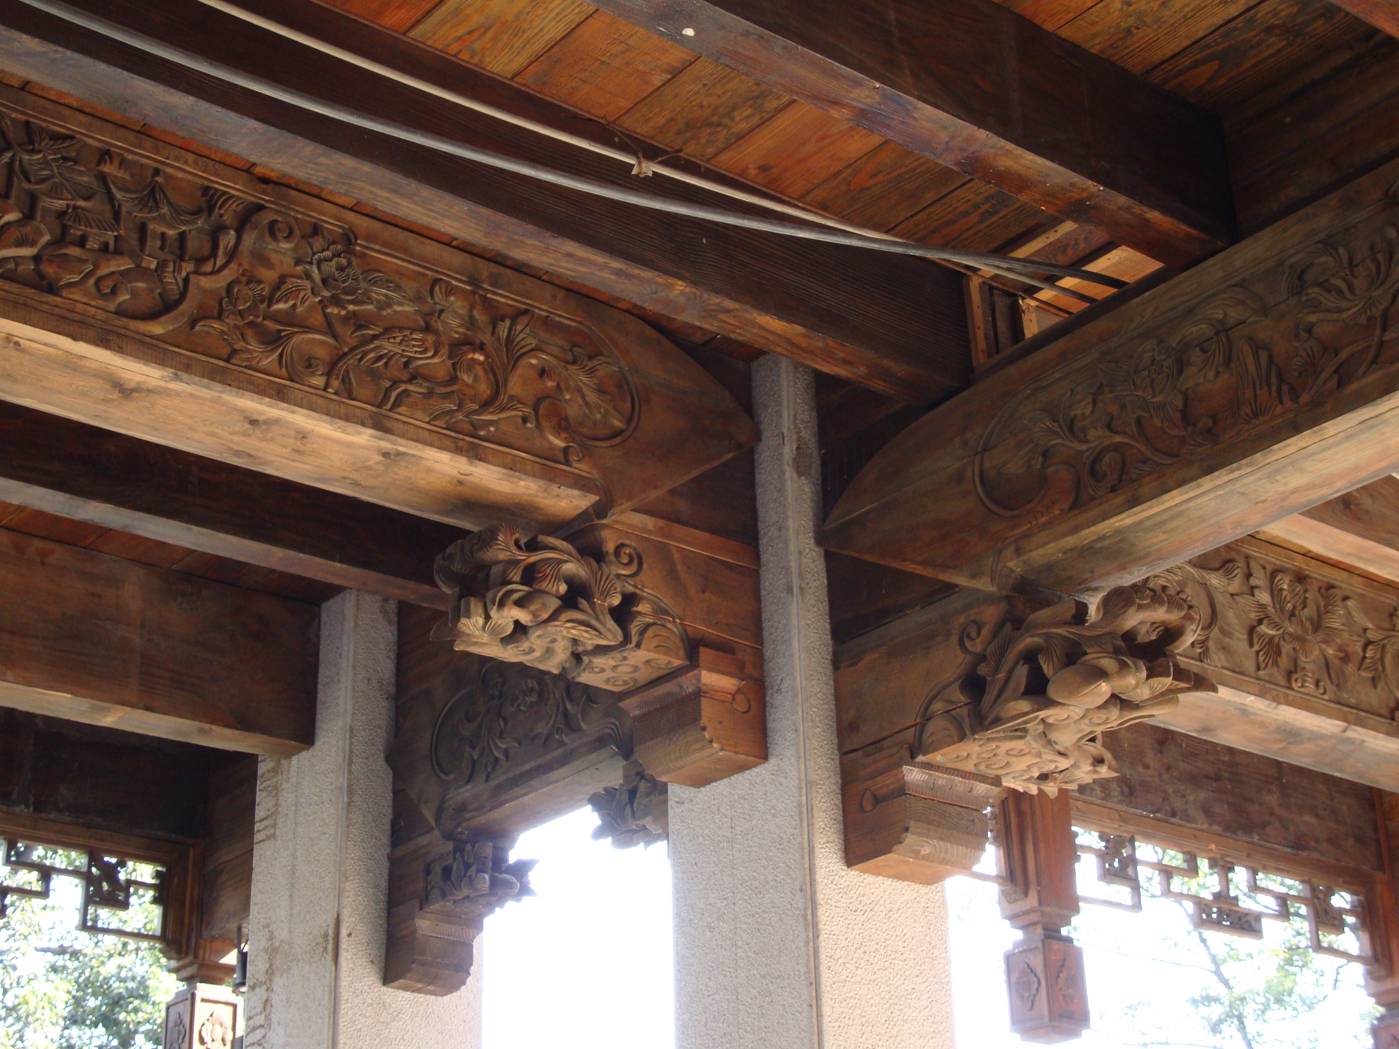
x,y
486,749
542,602
1021,700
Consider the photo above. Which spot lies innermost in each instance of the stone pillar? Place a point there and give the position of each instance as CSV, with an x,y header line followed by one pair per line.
x,y
320,865
777,942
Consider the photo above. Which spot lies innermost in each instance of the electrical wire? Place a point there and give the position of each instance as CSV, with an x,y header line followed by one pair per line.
x,y
1017,269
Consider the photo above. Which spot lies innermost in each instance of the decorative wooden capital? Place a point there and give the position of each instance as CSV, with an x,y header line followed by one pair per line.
x,y
1031,703
634,813
542,602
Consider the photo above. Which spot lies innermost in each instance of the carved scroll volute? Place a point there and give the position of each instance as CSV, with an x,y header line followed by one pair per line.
x,y
1034,702
542,602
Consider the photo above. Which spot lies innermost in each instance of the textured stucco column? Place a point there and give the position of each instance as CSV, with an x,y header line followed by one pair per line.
x,y
320,866
777,943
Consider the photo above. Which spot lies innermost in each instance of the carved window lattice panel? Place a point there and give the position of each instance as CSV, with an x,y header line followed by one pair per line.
x,y
120,896
1224,895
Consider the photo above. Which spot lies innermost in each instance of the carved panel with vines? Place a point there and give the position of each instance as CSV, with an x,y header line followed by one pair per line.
x,y
293,296
1293,623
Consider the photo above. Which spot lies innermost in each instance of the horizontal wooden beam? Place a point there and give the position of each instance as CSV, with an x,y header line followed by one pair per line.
x,y
895,324
1055,125
78,471
96,639
1358,530
1240,392
192,305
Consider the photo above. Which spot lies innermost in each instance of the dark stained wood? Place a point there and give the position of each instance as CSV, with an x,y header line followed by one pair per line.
x,y
1042,130
110,481
99,777
92,638
893,323
227,880
1224,791
1158,430
1358,530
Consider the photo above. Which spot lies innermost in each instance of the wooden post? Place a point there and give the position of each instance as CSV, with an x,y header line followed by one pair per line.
x,y
1044,971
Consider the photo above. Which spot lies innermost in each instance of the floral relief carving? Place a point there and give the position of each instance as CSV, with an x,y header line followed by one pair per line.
x,y
514,712
476,877
285,295
1176,392
633,813
1302,631
1030,703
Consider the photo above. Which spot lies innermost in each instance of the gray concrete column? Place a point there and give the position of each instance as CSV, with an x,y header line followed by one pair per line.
x,y
778,945
320,866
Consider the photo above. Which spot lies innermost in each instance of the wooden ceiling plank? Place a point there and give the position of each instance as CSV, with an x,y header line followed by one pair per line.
x,y
892,323
184,502
605,66
96,639
884,187
1204,409
1138,36
702,110
1058,127
796,150
502,36
399,15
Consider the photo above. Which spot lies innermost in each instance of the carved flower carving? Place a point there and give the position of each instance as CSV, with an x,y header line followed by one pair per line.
x,y
332,277
244,301
1298,624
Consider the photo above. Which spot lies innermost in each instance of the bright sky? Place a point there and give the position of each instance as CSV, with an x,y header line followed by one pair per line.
x,y
587,963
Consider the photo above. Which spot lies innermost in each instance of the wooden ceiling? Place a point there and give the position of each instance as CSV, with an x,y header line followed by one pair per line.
x,y
1244,61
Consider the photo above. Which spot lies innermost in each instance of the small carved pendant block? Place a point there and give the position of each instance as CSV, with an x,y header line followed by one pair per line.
x,y
201,1016
1048,992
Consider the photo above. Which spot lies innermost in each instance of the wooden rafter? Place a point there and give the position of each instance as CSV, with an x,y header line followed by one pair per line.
x,y
1053,125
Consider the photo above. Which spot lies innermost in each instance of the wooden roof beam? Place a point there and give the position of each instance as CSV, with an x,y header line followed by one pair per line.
x,y
104,478
892,323
1247,389
1358,530
97,639
982,90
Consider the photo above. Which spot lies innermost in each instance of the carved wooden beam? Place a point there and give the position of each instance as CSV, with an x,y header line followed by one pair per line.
x,y
895,324
1246,389
1305,656
941,709
93,638
1358,530
917,74
155,293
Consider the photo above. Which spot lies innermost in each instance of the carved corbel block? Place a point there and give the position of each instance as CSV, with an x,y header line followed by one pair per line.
x,y
701,725
545,603
913,822
1021,699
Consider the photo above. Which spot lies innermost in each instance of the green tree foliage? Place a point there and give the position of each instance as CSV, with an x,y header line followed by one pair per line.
x,y
61,988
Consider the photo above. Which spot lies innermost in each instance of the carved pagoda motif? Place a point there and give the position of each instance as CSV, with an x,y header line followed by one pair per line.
x,y
1030,704
541,602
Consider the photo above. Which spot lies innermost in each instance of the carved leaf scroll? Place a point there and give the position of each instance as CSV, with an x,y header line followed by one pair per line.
x,y
475,878
541,602
286,295
1177,392
1030,703
633,813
